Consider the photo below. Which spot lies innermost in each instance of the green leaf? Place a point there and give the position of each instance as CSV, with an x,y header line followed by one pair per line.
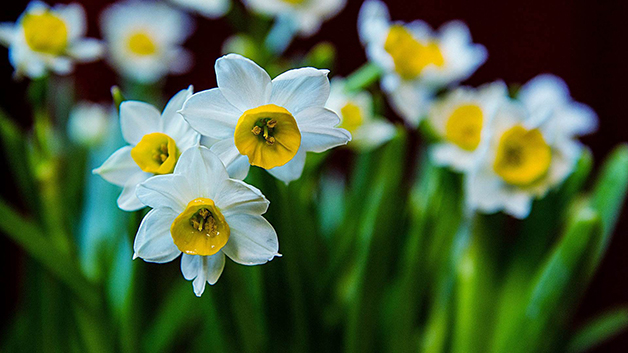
x,y
599,330
29,236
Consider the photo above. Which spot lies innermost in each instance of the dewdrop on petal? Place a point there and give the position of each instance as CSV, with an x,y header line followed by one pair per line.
x,y
202,215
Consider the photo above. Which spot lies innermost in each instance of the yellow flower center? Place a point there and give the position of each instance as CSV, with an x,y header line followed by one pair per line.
x,y
464,127
268,135
294,2
45,33
200,229
140,43
351,117
409,55
156,153
523,156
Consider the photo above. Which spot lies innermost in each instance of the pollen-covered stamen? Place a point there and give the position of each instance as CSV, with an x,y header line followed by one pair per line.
x,y
156,153
268,135
200,229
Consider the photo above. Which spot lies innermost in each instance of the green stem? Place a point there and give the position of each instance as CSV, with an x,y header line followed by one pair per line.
x,y
363,77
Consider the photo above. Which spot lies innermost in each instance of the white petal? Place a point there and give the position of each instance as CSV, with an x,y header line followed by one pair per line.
x,y
128,201
544,89
209,113
175,126
74,18
172,191
7,33
208,8
373,134
138,119
243,83
372,20
253,240
301,88
153,242
318,133
411,102
239,197
447,154
86,50
291,170
180,60
119,167
204,171
61,65
237,164
202,269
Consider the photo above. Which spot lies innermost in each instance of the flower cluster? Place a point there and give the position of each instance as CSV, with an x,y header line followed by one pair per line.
x,y
511,150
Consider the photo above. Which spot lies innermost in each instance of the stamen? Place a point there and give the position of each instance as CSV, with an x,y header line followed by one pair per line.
x,y
266,133
270,141
271,123
256,130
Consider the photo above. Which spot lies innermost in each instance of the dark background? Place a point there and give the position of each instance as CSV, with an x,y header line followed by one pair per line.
x,y
581,41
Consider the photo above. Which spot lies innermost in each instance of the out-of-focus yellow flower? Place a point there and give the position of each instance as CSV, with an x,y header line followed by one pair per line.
x,y
267,123
201,213
415,59
156,140
144,39
307,15
208,8
461,119
355,110
48,39
531,148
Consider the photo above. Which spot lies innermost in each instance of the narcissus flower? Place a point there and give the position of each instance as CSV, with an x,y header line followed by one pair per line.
x,y
144,39
207,8
547,97
306,15
355,110
155,143
415,59
269,124
201,213
521,160
48,39
461,119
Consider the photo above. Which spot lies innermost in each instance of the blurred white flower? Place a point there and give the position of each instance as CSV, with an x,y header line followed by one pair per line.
x,y
144,39
89,123
547,98
306,15
355,110
461,119
200,212
521,160
208,8
48,39
415,59
269,124
156,140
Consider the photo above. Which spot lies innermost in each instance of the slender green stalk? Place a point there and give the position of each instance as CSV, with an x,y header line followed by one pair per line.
x,y
599,330
363,77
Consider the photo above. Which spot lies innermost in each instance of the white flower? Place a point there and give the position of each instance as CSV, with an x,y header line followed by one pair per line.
x,y
208,8
355,110
200,212
144,39
520,161
461,119
415,60
48,39
547,98
307,15
270,124
89,123
155,143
